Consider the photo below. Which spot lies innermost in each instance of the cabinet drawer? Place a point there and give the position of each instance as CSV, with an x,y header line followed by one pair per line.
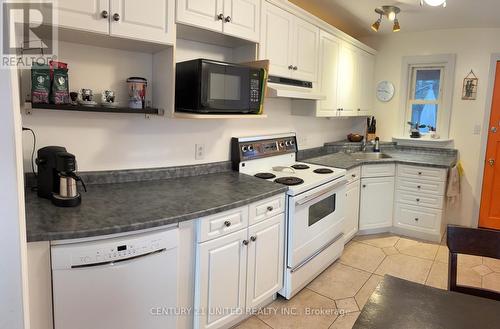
x,y
434,174
420,218
420,199
378,170
353,174
266,208
223,223
420,186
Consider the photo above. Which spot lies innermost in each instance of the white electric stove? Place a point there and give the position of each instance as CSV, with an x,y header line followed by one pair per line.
x,y
314,208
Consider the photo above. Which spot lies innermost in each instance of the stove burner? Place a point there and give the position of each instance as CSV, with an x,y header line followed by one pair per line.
x,y
265,175
323,171
300,166
289,181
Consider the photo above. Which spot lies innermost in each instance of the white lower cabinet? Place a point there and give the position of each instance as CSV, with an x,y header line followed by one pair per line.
x,y
351,223
238,270
376,203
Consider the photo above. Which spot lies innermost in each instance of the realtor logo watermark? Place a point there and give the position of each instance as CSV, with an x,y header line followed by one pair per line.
x,y
29,33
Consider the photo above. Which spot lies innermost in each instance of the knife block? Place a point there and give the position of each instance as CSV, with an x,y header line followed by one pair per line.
x,y
370,137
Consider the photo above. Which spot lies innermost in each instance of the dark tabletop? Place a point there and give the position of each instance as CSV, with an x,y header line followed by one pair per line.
x,y
347,161
116,208
401,304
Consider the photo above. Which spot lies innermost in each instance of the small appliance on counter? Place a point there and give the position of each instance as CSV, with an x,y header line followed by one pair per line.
x,y
415,129
207,86
57,178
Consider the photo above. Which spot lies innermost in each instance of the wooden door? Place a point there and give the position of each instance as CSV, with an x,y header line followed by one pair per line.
x,y
276,40
377,203
489,216
306,51
265,260
86,15
151,20
221,269
328,74
207,14
351,223
242,19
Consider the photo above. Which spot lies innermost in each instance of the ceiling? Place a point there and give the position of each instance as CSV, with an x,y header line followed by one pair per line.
x,y
355,16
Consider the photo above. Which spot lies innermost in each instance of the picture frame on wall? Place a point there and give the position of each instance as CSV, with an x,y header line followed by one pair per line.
x,y
469,90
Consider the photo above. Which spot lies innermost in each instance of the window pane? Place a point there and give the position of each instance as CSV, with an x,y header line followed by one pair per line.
x,y
427,84
424,115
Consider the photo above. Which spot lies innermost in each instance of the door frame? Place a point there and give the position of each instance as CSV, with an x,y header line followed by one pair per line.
x,y
495,57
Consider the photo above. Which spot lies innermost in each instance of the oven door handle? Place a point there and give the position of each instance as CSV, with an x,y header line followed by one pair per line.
x,y
311,197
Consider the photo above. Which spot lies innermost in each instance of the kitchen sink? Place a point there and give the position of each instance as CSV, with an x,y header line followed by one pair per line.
x,y
359,156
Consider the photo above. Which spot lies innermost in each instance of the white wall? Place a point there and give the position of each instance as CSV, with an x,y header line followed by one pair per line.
x,y
13,279
118,141
473,48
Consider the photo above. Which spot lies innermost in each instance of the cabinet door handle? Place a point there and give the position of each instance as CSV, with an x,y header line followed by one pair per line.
x,y
253,238
290,67
220,17
270,208
419,173
359,110
104,14
416,219
227,223
418,200
364,186
228,19
295,68
116,17
353,175
245,242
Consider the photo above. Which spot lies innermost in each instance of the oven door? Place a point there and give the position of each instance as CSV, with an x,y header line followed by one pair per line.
x,y
225,88
316,220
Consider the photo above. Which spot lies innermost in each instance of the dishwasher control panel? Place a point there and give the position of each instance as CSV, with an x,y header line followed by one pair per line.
x,y
110,250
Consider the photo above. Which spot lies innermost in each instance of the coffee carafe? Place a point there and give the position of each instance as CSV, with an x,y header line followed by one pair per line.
x,y
57,178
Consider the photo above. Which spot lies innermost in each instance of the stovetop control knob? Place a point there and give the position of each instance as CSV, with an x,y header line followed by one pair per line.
x,y
244,148
292,142
250,148
282,144
287,143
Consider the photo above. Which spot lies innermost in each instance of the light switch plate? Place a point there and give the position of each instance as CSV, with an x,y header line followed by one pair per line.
x,y
477,129
199,152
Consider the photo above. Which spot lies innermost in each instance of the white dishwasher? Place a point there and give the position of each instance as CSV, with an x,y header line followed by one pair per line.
x,y
127,282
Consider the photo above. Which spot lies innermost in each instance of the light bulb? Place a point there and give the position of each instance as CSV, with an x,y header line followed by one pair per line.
x,y
435,3
391,16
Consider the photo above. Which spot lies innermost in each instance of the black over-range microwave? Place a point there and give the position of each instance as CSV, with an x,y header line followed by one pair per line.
x,y
207,86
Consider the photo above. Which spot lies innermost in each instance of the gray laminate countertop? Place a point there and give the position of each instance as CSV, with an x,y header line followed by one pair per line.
x,y
122,207
348,161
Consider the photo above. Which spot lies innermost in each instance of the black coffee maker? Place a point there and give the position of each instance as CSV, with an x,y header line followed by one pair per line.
x,y
57,178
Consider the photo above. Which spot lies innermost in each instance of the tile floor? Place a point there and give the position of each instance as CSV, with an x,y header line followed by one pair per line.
x,y
334,299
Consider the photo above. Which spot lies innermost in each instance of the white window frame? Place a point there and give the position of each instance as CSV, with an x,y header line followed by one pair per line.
x,y
446,63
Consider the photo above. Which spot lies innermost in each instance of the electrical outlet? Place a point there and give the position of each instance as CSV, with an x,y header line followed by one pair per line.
x,y
199,152
477,129
302,140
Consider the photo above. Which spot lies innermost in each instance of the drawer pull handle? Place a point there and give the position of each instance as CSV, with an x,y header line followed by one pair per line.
x,y
416,219
245,242
419,187
227,223
353,175
418,200
253,238
364,186
270,208
420,173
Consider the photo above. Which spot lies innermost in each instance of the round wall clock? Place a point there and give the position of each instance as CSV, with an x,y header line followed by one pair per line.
x,y
385,91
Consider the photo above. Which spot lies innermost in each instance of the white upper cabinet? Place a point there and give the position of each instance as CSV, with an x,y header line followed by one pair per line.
x,y
366,79
348,91
328,74
207,14
150,20
276,40
242,19
290,43
238,18
87,15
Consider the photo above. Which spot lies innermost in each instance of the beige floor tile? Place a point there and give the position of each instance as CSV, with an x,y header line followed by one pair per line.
x,y
417,248
468,277
367,290
469,261
345,321
493,264
443,254
390,251
492,281
303,305
438,276
405,267
482,270
339,281
252,323
362,256
347,305
378,240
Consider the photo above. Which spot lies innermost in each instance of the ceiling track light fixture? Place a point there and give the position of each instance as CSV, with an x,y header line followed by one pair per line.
x,y
433,3
391,13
